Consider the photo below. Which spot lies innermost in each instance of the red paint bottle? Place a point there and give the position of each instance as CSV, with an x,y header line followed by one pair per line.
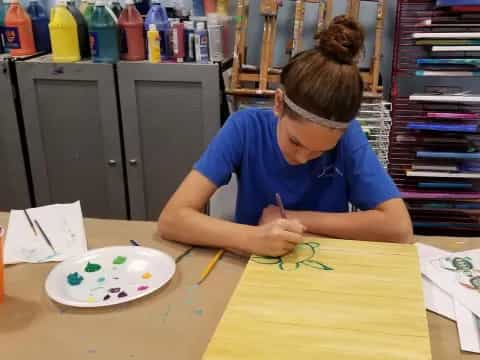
x,y
132,38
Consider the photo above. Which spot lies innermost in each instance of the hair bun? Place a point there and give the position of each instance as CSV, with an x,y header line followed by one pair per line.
x,y
342,40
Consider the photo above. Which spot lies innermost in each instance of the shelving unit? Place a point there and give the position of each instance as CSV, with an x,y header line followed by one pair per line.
x,y
434,144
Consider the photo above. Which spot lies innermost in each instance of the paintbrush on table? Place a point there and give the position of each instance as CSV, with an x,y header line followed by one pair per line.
x,y
45,237
30,222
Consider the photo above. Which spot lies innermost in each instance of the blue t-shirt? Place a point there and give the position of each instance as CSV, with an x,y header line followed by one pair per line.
x,y
247,145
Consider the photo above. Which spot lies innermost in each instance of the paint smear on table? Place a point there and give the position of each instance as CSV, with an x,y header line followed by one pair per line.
x,y
114,290
106,297
142,287
122,294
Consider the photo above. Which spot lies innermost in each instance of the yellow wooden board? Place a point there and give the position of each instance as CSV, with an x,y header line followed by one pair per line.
x,y
369,306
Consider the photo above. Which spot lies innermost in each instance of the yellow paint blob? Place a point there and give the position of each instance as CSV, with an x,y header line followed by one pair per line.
x,y
147,275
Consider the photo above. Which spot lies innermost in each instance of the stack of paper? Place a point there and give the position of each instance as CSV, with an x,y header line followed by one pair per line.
x,y
451,284
62,224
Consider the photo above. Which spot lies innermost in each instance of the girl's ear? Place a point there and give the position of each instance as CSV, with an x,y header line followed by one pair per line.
x,y
278,106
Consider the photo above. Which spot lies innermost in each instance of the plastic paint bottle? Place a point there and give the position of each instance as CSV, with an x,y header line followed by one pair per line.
x,y
198,9
158,16
19,31
189,37
82,30
63,34
132,36
103,31
201,43
215,37
40,26
153,39
178,45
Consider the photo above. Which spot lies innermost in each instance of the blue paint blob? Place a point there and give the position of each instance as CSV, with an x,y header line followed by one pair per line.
x,y
74,279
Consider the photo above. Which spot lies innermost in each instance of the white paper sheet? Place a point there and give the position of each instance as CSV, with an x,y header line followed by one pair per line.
x,y
468,328
443,303
448,280
63,224
436,299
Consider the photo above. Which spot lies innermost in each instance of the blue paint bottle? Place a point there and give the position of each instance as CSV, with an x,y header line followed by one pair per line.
x,y
157,15
40,26
198,8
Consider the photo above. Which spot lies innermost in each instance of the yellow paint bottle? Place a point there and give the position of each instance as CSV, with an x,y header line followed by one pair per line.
x,y
63,34
153,38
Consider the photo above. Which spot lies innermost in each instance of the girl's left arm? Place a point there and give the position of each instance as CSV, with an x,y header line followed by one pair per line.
x,y
389,222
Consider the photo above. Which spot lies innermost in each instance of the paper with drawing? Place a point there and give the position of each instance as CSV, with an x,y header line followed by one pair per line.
x,y
62,223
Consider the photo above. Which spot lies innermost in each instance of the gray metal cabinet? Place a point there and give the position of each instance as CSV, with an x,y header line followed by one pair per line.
x,y
170,112
14,191
73,135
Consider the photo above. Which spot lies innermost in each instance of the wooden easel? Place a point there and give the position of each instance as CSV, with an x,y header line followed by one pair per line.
x,y
265,74
325,9
258,79
372,77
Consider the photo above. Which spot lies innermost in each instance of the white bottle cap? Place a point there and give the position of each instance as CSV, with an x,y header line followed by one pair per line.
x,y
188,25
152,27
201,25
129,2
100,2
174,21
158,2
59,2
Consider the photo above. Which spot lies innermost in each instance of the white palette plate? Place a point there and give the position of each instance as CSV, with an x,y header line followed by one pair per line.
x,y
109,276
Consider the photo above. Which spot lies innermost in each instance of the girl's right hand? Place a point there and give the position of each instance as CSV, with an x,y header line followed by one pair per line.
x,y
278,237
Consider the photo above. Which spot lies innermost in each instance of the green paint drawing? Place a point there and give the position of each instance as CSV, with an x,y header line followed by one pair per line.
x,y
91,267
119,260
198,312
302,255
101,279
74,279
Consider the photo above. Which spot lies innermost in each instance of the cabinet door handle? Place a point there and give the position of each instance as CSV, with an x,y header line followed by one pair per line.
x,y
112,162
133,161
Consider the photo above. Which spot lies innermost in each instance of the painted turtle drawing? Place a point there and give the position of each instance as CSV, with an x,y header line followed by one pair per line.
x,y
302,255
457,263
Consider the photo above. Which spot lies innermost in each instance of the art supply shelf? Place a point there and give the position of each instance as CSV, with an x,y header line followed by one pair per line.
x,y
435,141
120,138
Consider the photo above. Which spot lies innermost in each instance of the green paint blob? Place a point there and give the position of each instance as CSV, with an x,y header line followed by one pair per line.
x,y
74,279
101,279
91,267
198,312
119,260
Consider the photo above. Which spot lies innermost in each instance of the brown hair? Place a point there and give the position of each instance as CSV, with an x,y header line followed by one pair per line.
x,y
326,80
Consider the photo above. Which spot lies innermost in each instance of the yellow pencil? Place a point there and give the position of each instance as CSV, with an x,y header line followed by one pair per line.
x,y
210,266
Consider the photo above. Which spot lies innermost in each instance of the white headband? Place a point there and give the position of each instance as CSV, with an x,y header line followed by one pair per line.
x,y
312,117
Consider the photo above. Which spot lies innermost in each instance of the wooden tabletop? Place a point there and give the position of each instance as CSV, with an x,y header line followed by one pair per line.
x,y
176,321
